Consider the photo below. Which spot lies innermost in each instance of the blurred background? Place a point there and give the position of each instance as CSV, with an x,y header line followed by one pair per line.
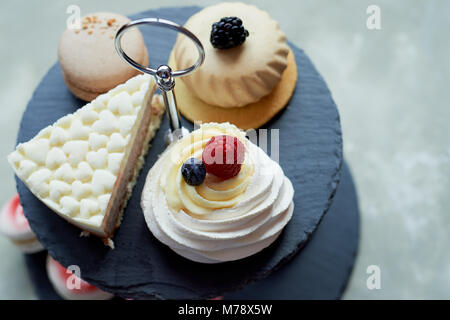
x,y
391,88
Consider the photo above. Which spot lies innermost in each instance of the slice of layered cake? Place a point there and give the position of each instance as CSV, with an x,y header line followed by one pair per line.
x,y
85,165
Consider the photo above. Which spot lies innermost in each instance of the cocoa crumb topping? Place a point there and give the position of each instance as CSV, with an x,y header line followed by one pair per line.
x,y
110,22
90,21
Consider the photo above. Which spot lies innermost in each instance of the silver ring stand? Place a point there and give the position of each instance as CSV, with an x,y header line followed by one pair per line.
x,y
164,75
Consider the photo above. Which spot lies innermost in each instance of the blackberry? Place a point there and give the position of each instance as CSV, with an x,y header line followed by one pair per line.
x,y
193,171
228,33
223,156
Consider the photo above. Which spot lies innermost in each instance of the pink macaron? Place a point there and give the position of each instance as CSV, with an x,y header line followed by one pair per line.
x,y
71,287
14,225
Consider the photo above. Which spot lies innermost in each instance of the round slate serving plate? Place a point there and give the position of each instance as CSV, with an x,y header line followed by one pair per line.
x,y
322,268
320,271
141,267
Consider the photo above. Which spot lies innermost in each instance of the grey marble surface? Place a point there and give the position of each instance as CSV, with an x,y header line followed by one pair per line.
x,y
391,89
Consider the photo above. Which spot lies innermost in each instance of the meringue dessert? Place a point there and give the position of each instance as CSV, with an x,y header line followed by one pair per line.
x,y
212,211
85,165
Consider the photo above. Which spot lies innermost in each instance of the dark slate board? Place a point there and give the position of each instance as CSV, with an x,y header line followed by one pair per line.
x,y
307,276
322,269
140,266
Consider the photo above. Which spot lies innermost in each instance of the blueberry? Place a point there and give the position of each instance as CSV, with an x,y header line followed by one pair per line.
x,y
193,171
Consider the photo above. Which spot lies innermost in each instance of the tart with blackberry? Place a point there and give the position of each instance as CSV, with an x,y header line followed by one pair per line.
x,y
249,73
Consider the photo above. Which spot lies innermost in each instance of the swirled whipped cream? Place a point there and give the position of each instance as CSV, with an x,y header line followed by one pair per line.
x,y
219,220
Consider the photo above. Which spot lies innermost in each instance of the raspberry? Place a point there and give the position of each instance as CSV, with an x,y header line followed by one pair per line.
x,y
223,156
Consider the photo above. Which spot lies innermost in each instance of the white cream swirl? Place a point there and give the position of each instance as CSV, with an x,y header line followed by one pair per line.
x,y
217,221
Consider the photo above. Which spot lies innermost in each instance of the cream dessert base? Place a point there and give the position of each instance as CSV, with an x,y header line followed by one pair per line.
x,y
238,76
251,116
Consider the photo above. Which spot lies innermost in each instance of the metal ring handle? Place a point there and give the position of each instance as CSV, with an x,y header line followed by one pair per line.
x,y
164,23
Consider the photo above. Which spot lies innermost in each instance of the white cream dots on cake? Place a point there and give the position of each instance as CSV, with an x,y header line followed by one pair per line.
x,y
78,165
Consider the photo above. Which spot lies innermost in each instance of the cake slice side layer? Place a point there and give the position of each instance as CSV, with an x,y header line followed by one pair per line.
x,y
129,169
79,165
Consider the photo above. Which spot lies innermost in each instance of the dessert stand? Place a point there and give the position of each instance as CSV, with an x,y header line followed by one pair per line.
x,y
164,75
141,267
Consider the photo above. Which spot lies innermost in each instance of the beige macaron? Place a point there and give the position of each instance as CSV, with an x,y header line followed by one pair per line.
x,y
88,58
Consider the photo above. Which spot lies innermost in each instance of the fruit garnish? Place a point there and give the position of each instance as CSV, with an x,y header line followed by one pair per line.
x,y
193,171
228,33
223,156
